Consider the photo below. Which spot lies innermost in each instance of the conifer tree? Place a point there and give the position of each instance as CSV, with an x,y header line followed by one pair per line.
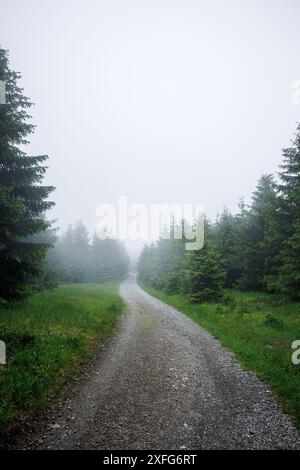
x,y
225,235
23,200
258,236
289,188
205,276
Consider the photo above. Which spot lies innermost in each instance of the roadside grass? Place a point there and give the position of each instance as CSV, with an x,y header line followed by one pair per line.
x,y
259,328
48,337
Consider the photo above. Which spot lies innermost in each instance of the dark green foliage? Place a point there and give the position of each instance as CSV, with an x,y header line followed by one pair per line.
x,y
249,242
226,235
289,193
289,274
205,279
258,237
23,200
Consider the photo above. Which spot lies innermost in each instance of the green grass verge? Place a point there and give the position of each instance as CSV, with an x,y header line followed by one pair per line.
x,y
47,339
259,328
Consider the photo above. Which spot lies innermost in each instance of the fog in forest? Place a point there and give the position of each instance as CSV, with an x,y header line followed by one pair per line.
x,y
159,101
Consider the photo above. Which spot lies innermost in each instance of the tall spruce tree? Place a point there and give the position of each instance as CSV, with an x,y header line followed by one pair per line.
x,y
258,236
225,235
23,200
289,188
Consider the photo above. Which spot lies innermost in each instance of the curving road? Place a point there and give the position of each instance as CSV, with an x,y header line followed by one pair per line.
x,y
165,383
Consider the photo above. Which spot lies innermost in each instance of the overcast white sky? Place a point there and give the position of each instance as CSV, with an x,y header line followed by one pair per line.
x,y
159,100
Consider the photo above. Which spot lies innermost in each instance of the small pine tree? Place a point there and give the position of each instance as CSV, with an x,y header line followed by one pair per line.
x,y
205,275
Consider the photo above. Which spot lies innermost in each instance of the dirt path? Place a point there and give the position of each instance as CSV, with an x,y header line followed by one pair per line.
x,y
165,383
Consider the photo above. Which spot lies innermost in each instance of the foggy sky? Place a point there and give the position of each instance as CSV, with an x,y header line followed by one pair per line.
x,y
161,101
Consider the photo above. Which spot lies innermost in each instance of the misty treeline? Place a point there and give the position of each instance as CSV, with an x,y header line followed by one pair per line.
x,y
256,249
77,258
25,234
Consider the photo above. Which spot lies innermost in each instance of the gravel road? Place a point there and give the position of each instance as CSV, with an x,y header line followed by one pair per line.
x,y
165,383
